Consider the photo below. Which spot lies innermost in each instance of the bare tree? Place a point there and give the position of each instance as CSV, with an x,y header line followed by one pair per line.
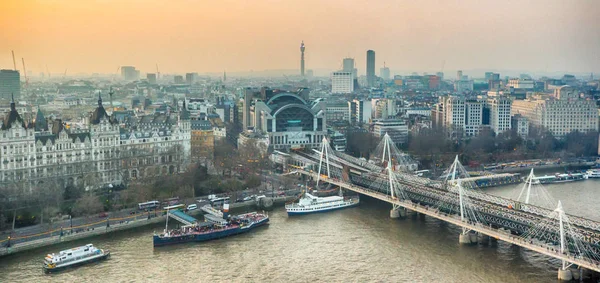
x,y
88,204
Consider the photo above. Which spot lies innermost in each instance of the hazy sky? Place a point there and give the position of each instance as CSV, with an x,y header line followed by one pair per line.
x,y
212,36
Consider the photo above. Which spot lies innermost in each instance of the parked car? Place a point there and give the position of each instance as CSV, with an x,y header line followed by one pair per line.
x,y
192,206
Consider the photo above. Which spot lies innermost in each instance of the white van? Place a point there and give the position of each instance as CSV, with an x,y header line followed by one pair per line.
x,y
192,206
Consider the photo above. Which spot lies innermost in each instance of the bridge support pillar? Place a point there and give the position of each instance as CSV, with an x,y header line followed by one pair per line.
x,y
464,239
565,274
402,211
395,213
398,212
473,237
483,238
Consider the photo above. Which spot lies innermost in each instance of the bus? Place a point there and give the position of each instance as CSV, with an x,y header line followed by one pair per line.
x,y
171,201
148,205
219,201
173,207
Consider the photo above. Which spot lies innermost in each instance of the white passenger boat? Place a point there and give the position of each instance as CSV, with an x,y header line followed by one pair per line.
x,y
560,178
312,204
73,257
593,173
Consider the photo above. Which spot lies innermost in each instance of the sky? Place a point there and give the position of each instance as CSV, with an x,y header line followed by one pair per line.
x,y
98,36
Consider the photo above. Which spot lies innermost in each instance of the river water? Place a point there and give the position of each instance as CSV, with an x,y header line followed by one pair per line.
x,y
360,244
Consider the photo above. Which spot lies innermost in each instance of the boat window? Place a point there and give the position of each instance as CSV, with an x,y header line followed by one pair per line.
x,y
86,250
69,254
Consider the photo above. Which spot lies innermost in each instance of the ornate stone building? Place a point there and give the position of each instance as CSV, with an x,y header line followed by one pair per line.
x,y
103,153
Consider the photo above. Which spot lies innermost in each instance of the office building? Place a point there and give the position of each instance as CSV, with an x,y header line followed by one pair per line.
x,y
499,113
370,68
342,82
191,78
519,83
459,116
459,75
10,84
360,111
178,79
384,108
151,77
560,113
337,111
202,142
129,73
384,73
463,85
348,64
395,128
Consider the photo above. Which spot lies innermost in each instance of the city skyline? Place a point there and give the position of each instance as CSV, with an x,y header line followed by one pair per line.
x,y
186,36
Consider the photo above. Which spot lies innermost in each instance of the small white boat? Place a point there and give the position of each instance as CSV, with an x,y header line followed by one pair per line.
x,y
312,204
73,257
593,173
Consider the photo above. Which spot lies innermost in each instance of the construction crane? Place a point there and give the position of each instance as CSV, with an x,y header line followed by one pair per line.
x,y
157,72
25,72
14,62
65,74
116,73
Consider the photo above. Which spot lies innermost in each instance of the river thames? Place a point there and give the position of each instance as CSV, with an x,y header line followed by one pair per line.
x,y
361,244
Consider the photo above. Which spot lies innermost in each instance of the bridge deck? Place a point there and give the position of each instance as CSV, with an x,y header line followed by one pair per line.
x,y
455,219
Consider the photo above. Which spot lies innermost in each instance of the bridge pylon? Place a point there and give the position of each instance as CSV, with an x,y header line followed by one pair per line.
x,y
324,154
397,211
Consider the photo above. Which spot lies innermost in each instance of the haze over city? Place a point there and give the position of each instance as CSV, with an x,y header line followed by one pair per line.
x,y
299,141
239,36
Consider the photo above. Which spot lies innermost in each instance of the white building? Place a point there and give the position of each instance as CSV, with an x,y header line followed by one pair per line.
x,y
461,116
342,82
360,111
521,83
500,111
463,85
561,113
396,129
100,154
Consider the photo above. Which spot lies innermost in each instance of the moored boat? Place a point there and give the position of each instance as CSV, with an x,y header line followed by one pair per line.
x,y
593,173
215,227
312,204
73,257
560,178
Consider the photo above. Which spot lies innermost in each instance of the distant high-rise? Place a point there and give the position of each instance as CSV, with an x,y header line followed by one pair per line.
x,y
10,84
129,73
302,58
178,79
459,75
371,68
151,77
384,72
348,64
191,78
